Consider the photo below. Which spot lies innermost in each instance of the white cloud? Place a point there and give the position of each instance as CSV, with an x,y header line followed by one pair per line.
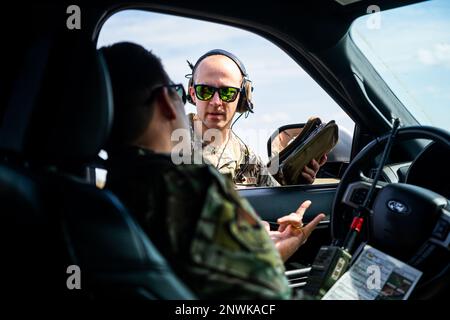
x,y
163,31
176,39
273,117
438,55
443,51
432,90
426,57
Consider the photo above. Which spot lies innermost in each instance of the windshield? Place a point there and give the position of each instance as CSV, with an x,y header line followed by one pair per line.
x,y
410,49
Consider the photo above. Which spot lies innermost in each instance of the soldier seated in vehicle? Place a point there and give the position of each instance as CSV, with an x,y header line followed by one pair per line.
x,y
212,237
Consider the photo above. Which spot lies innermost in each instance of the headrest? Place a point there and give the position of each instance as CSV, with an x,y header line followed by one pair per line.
x,y
71,115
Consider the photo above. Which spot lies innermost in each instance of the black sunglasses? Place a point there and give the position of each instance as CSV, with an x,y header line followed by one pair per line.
x,y
226,94
178,88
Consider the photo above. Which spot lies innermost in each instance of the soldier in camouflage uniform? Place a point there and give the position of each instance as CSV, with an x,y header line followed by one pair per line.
x,y
234,159
219,87
211,237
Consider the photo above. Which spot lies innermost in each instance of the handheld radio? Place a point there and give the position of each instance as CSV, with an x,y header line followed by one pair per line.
x,y
332,261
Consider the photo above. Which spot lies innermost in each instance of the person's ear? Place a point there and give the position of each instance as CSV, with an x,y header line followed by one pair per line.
x,y
192,94
166,104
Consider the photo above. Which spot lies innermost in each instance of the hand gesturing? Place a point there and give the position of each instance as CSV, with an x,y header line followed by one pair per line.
x,y
291,234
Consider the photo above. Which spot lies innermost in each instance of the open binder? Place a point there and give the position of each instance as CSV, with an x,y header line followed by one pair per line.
x,y
315,140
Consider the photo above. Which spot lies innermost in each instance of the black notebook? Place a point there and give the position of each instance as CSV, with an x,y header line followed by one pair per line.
x,y
315,140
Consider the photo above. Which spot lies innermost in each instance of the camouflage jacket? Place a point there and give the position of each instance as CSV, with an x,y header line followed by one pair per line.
x,y
211,236
237,160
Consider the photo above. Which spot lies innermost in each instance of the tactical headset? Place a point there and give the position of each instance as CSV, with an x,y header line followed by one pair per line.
x,y
245,103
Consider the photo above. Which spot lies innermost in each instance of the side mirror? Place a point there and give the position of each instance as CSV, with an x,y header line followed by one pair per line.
x,y
280,139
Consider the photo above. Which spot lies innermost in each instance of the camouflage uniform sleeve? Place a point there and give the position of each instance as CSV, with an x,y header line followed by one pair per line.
x,y
231,254
257,169
264,176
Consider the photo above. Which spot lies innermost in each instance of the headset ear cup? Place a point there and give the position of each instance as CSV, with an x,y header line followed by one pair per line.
x,y
248,94
240,106
245,100
188,95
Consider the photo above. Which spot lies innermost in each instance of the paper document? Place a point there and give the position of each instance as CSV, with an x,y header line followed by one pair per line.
x,y
375,276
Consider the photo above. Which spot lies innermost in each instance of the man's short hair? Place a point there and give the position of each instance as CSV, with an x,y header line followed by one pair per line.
x,y
134,72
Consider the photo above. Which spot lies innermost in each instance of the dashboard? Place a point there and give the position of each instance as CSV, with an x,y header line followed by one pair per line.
x,y
430,170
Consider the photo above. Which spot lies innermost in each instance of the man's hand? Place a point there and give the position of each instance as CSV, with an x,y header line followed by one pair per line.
x,y
310,170
291,234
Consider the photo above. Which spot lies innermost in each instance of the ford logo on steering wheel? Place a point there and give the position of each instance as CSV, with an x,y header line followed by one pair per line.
x,y
397,206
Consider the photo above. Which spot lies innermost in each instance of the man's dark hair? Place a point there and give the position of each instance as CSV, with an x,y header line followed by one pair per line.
x,y
134,72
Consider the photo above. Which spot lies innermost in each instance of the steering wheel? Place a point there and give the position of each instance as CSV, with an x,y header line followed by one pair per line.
x,y
403,218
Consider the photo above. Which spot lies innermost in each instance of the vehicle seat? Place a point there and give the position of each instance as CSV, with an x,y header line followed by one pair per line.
x,y
51,217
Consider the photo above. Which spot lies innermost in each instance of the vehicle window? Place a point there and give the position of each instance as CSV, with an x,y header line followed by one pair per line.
x,y
283,92
410,49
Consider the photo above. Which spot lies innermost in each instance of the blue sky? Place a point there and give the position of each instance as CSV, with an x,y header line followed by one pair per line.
x,y
411,47
283,92
411,50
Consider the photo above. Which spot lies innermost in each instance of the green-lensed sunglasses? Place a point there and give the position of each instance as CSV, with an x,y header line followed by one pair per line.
x,y
226,94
